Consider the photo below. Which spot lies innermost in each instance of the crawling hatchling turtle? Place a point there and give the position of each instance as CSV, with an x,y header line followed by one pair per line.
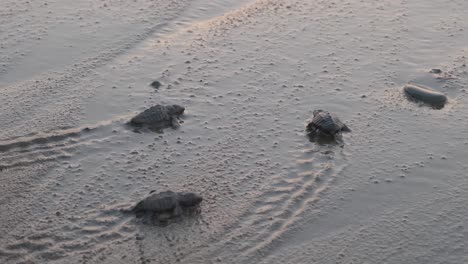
x,y
158,117
324,123
165,205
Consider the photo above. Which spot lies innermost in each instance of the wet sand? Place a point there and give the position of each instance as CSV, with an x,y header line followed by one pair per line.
x,y
249,73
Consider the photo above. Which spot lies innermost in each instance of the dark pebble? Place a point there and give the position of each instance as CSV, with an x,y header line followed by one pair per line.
x,y
425,95
156,84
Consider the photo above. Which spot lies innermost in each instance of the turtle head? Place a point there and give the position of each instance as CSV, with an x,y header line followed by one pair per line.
x,y
317,111
176,109
189,199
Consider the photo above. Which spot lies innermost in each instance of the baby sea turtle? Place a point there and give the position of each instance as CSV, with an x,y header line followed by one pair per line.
x,y
163,206
159,117
326,124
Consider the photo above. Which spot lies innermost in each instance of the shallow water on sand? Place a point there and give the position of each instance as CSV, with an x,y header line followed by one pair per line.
x,y
249,74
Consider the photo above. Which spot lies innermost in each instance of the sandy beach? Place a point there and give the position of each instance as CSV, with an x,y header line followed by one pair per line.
x,y
249,73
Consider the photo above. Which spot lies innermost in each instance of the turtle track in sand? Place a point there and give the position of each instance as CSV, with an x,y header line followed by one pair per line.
x,y
54,145
278,209
79,235
89,235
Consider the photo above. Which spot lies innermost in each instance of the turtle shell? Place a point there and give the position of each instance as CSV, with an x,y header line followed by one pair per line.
x,y
154,115
158,202
327,123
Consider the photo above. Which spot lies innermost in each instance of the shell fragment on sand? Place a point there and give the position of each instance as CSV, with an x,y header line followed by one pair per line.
x,y
425,95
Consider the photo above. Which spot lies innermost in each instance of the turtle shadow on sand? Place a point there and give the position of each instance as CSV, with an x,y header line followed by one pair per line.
x,y
165,219
324,139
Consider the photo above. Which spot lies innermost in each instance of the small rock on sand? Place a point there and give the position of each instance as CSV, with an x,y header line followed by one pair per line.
x,y
425,95
156,84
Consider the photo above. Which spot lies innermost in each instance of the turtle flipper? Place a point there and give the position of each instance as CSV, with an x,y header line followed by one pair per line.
x,y
175,122
310,127
138,210
138,207
177,211
339,139
345,128
162,218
